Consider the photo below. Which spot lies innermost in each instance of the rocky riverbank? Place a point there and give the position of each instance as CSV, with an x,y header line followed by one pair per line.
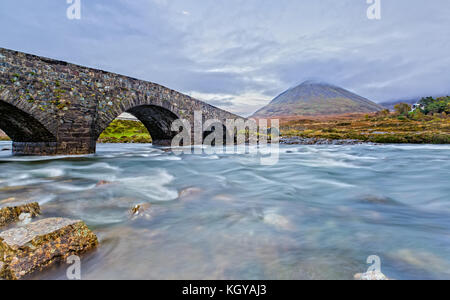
x,y
297,140
28,246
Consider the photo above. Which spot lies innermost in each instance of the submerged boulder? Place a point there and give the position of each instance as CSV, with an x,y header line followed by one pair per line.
x,y
11,214
35,246
190,193
102,183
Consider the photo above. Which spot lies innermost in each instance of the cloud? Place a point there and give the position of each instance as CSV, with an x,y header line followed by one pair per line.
x,y
239,54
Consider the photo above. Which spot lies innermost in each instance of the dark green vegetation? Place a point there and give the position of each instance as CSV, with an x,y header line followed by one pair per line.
x,y
315,99
125,131
438,105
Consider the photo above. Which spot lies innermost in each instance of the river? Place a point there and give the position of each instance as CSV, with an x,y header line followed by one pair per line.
x,y
316,214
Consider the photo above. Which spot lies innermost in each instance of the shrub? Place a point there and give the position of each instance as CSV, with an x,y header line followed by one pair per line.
x,y
402,109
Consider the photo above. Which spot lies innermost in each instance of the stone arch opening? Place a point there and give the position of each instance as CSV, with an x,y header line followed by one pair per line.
x,y
125,130
21,127
157,120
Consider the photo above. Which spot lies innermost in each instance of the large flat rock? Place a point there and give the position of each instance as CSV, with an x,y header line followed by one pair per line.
x,y
35,246
11,213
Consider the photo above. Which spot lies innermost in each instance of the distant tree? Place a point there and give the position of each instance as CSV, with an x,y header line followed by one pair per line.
x,y
402,109
426,101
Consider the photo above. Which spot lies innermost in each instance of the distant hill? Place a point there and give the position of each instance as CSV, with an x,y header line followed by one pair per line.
x,y
315,99
390,104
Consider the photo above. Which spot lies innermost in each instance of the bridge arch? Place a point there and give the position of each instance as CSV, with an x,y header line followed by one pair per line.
x,y
24,130
21,126
158,121
157,116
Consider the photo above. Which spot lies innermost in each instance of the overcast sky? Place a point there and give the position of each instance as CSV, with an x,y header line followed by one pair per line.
x,y
239,54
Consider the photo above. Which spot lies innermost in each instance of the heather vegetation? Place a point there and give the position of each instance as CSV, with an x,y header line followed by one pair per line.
x,y
401,126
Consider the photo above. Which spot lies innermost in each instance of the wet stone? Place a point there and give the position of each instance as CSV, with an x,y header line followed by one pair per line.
x,y
11,214
141,210
35,246
102,183
189,193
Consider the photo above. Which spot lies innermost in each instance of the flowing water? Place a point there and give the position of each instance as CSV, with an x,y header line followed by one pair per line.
x,y
317,214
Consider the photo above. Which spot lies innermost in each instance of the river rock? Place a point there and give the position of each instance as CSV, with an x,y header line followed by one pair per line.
x,y
278,221
35,246
102,183
141,210
11,214
297,140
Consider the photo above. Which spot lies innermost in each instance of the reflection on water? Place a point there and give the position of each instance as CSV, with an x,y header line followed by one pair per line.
x,y
317,214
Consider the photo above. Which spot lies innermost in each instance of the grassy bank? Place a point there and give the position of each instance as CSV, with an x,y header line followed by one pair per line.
x,y
378,128
124,131
119,131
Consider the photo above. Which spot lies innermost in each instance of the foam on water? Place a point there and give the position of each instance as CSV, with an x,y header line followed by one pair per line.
x,y
154,187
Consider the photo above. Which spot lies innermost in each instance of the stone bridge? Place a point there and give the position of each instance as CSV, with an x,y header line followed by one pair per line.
x,y
50,107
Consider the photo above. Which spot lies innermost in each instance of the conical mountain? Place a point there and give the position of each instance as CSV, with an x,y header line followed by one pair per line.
x,y
314,99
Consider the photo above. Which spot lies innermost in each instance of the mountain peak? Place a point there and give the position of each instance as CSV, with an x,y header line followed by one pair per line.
x,y
314,82
313,98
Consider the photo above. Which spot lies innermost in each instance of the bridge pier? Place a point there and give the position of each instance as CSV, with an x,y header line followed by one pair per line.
x,y
162,143
52,148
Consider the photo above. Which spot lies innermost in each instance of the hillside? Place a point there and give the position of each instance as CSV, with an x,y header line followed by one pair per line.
x,y
315,99
382,127
3,136
390,104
